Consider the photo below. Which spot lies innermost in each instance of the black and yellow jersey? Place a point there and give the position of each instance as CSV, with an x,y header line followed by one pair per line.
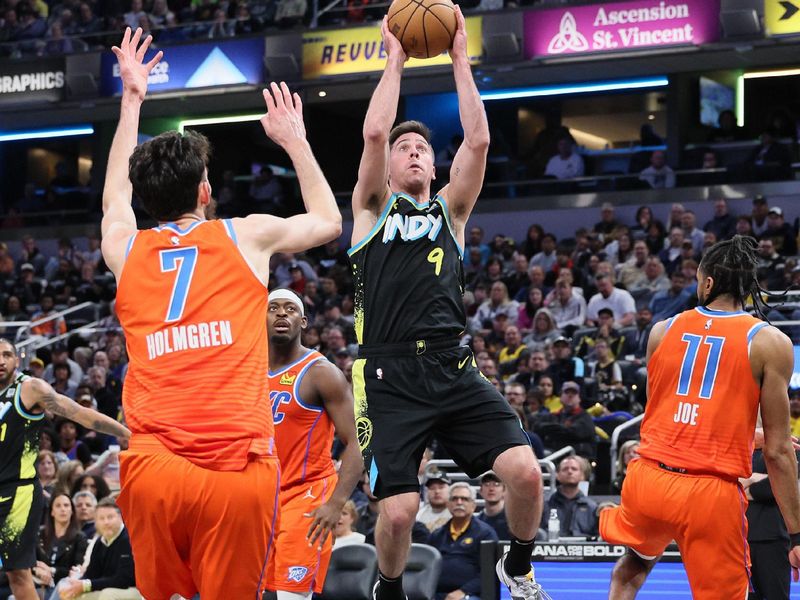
x,y
409,275
19,435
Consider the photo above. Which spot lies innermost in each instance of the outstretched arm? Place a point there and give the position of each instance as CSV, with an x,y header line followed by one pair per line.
x,y
322,222
373,172
469,163
119,222
39,393
334,391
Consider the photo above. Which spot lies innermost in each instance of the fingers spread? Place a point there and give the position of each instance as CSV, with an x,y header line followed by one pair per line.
x,y
269,100
135,41
143,48
155,60
278,96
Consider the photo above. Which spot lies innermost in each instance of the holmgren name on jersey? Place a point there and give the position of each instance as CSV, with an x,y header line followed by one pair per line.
x,y
189,337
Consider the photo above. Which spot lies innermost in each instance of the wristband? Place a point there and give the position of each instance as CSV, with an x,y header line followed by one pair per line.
x,y
794,539
87,586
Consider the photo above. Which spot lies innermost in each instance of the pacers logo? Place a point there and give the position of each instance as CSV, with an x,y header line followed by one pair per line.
x,y
363,432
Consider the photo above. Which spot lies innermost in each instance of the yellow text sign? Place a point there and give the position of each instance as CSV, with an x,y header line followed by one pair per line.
x,y
360,50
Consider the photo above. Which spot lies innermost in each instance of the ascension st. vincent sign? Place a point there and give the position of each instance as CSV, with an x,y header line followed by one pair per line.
x,y
620,26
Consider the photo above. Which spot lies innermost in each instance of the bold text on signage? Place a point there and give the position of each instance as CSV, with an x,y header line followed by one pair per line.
x,y
31,82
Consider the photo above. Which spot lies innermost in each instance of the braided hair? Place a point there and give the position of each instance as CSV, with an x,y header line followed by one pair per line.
x,y
732,265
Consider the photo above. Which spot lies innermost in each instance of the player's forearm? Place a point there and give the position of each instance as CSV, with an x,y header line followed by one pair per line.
x,y
782,468
470,105
118,186
349,472
102,423
316,191
382,110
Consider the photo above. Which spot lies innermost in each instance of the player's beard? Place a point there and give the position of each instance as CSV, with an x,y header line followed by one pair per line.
x,y
282,340
4,383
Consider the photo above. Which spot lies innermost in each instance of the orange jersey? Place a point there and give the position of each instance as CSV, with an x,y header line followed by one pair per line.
x,y
303,432
194,316
703,400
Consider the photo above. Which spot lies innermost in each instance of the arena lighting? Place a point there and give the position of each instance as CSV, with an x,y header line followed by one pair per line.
x,y
578,88
740,101
755,75
218,120
39,134
762,74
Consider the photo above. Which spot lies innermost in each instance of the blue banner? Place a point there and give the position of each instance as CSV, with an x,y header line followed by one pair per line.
x,y
195,66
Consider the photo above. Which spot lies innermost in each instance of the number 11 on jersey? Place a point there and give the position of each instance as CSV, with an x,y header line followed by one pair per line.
x,y
687,411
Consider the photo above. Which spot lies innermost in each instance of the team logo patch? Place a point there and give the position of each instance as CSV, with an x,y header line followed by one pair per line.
x,y
297,574
363,432
288,378
467,541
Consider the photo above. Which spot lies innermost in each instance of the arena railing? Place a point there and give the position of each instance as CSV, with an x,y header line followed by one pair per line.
x,y
548,464
28,343
615,442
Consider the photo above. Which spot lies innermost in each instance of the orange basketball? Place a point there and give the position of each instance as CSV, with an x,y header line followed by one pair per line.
x,y
425,28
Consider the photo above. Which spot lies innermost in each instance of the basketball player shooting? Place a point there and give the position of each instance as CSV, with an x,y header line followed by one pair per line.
x,y
709,370
199,482
412,379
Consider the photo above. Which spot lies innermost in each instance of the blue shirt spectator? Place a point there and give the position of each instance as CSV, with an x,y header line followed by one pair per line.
x,y
670,302
459,542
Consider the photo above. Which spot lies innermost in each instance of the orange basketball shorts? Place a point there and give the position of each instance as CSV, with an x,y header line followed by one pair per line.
x,y
704,514
294,565
194,529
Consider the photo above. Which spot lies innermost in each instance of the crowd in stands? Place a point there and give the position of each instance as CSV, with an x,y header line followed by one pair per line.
x,y
559,326
556,156
43,28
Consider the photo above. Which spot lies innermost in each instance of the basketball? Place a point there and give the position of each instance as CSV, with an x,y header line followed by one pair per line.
x,y
425,28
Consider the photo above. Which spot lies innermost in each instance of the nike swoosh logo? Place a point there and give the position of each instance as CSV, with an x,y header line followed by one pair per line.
x,y
5,498
463,362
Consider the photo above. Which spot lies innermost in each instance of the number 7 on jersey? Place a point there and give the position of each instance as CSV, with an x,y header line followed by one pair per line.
x,y
183,261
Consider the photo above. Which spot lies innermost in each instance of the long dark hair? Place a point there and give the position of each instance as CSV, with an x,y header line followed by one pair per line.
x,y
102,487
732,265
49,534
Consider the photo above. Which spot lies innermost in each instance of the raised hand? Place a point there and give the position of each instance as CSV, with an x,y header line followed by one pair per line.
x,y
131,68
391,44
283,122
460,39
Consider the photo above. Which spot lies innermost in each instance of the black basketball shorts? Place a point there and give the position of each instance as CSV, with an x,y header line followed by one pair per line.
x,y
21,506
402,401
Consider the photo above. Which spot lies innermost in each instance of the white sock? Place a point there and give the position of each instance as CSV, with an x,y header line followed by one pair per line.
x,y
294,595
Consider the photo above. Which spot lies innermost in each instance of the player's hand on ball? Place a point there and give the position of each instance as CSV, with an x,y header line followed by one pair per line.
x,y
391,44
460,38
283,122
325,519
130,55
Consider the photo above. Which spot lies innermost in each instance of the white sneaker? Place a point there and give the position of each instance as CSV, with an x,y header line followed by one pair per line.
x,y
523,587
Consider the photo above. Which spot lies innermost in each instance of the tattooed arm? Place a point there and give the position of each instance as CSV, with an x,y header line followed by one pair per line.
x,y
40,394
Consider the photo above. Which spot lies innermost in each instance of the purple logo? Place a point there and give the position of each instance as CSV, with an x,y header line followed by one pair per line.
x,y
620,26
